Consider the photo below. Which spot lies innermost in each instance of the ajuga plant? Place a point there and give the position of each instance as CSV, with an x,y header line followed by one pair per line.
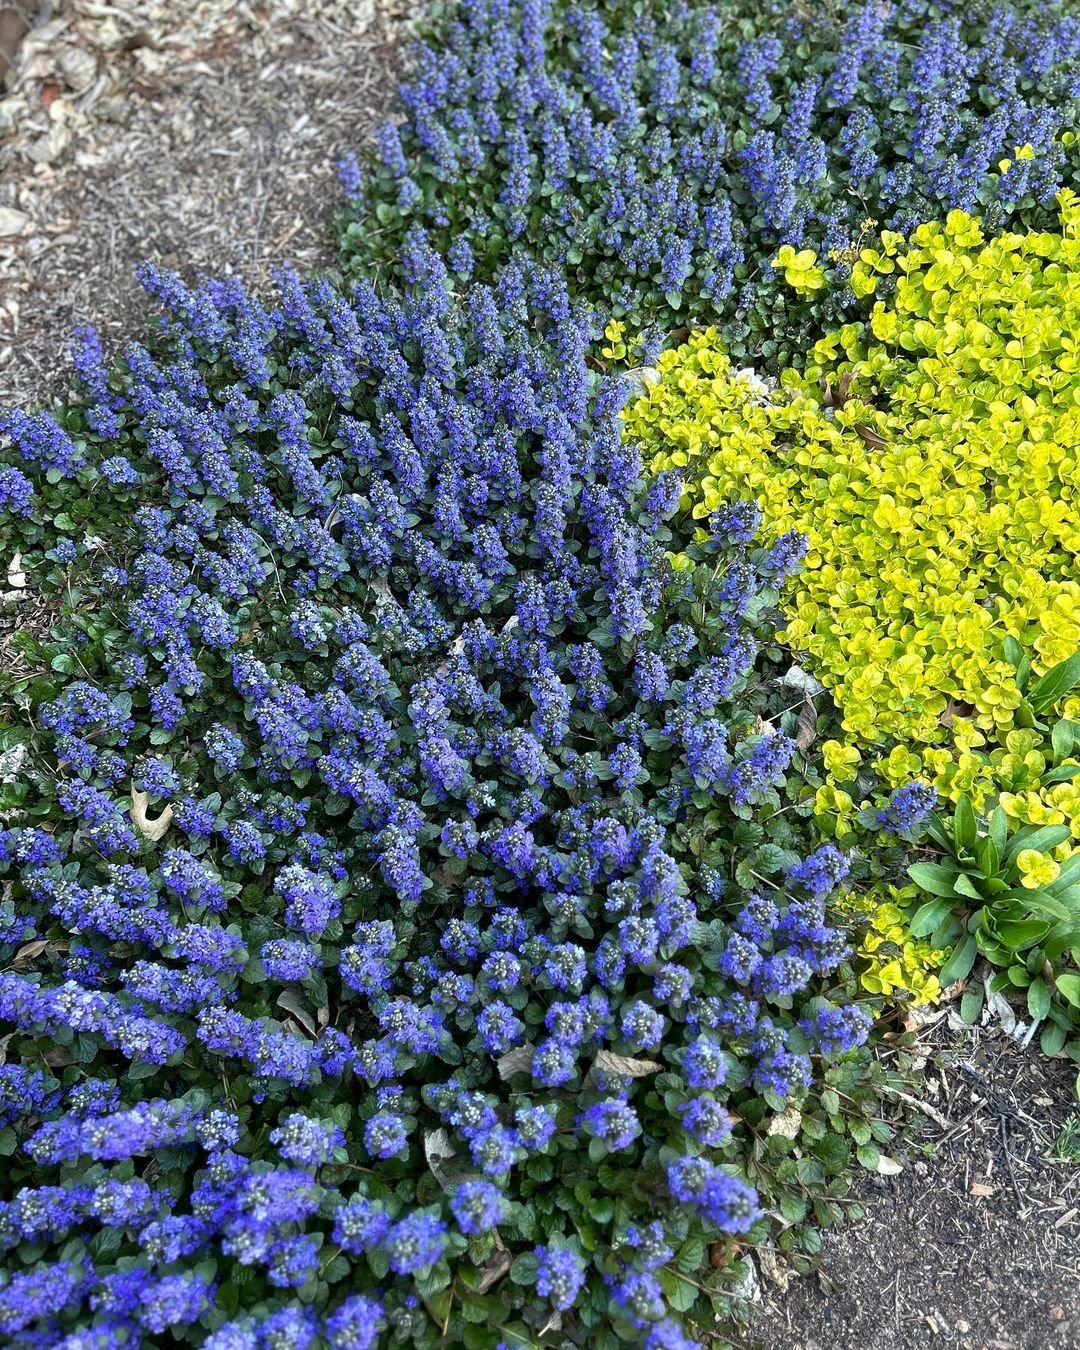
x,y
661,151
411,932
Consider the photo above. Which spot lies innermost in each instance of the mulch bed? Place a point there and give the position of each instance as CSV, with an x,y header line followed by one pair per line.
x,y
203,138
976,1244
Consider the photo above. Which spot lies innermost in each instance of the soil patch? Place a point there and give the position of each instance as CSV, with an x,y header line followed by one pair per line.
x,y
976,1244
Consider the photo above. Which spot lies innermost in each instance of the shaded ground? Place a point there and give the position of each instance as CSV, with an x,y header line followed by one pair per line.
x,y
203,136
977,1243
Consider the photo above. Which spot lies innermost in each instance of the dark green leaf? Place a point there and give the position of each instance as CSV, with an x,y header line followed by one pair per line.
x,y
966,887
965,830
1042,838
934,878
998,832
1055,684
960,961
1064,739
971,1004
523,1269
927,917
1052,1038
1068,986
1012,651
1020,934
1038,999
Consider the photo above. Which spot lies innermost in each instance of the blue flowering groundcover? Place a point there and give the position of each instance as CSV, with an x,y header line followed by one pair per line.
x,y
412,931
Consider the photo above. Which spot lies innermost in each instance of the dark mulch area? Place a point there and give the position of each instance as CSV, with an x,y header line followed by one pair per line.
x,y
976,1244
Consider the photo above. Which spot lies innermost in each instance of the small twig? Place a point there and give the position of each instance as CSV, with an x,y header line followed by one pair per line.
x,y
1004,1126
925,1107
449,1309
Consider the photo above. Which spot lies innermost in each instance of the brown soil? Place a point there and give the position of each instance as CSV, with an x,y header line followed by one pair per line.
x,y
976,1244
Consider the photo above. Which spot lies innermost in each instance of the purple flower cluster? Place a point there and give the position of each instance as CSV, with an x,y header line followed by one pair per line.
x,y
908,809
386,830
662,153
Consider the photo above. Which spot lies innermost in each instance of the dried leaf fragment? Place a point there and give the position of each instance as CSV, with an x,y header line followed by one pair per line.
x,y
806,729
149,829
871,437
797,678
518,1060
628,1068
779,1272
291,1002
383,594
835,398
16,577
438,1150
494,1268
787,1124
722,1253
28,952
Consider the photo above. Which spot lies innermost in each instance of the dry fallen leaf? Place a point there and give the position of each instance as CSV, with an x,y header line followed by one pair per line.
x,y
629,1068
438,1150
29,950
787,1124
723,1253
888,1167
292,1003
872,439
514,1061
383,594
835,398
779,1272
797,678
149,829
493,1269
806,730
981,1188
16,577
640,379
